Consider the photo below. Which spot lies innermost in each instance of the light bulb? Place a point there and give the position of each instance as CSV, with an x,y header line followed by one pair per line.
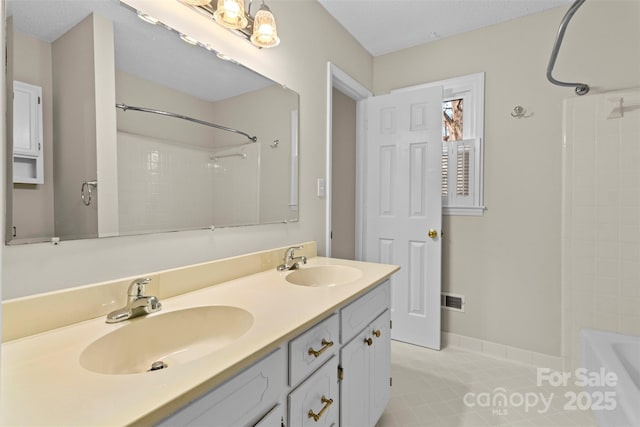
x,y
265,33
230,14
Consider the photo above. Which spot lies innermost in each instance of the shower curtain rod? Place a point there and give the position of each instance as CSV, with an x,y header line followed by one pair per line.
x,y
581,88
125,107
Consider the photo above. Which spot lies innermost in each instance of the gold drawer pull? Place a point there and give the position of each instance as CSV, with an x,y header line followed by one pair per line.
x,y
376,333
325,345
327,403
369,341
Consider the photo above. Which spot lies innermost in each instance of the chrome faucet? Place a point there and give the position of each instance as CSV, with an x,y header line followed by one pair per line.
x,y
138,304
291,262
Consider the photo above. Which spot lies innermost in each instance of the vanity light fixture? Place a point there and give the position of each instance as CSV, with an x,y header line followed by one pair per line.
x,y
198,2
189,40
147,18
265,33
260,29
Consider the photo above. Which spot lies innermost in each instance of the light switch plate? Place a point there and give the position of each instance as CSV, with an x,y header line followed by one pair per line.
x,y
322,187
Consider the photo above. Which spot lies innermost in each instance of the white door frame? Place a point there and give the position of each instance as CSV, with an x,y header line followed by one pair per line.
x,y
336,78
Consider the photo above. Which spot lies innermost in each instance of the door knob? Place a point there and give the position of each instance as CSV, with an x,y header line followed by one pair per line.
x,y
432,233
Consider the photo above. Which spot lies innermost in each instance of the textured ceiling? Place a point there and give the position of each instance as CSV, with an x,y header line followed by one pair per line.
x,y
383,26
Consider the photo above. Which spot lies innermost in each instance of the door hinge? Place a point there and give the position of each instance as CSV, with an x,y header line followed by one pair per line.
x,y
340,373
39,146
390,382
38,100
331,235
390,324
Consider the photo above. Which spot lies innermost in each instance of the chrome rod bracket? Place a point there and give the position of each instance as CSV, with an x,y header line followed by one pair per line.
x,y
580,88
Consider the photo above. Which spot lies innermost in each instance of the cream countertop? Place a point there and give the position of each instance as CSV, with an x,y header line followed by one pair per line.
x,y
43,383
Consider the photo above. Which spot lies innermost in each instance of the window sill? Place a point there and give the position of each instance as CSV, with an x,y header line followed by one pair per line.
x,y
464,210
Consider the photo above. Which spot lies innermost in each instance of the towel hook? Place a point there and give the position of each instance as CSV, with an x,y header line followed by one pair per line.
x,y
519,112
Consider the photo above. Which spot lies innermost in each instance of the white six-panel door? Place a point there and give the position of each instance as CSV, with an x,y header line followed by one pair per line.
x,y
403,203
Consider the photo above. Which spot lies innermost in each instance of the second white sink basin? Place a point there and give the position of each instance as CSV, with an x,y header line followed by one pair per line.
x,y
323,275
166,339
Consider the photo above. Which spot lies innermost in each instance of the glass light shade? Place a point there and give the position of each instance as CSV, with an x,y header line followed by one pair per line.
x,y
197,2
265,33
147,18
230,14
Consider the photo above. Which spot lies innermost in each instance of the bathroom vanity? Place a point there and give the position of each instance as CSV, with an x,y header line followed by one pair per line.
x,y
302,347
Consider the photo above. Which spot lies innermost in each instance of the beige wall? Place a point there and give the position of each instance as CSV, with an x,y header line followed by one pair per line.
x,y
343,164
507,262
295,63
266,113
106,140
33,204
74,112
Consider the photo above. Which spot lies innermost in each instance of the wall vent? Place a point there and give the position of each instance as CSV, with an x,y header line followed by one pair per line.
x,y
452,302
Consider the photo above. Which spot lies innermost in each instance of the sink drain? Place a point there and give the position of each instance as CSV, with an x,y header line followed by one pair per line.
x,y
156,366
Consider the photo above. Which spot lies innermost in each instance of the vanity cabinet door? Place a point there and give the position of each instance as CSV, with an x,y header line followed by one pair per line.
x,y
354,385
241,401
275,418
380,364
366,371
316,401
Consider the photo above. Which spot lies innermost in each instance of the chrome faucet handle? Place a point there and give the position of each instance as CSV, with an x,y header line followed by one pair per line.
x,y
288,255
138,288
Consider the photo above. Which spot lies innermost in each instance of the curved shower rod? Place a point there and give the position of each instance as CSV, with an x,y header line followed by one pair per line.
x,y
125,107
581,88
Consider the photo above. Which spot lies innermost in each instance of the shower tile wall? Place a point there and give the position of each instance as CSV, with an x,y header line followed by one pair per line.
x,y
601,217
163,185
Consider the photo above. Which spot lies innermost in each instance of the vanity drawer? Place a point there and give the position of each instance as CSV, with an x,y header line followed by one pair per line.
x,y
357,315
317,396
310,350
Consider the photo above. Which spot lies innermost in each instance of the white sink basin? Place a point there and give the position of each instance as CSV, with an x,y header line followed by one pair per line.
x,y
323,275
171,339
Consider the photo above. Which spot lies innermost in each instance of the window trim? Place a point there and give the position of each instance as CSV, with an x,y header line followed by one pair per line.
x,y
471,89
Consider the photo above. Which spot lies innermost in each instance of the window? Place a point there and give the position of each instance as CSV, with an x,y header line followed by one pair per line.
x,y
462,144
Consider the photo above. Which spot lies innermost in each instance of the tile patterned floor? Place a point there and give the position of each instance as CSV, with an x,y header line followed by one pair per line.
x,y
432,388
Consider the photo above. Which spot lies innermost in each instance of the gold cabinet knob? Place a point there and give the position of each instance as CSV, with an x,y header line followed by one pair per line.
x,y
376,333
368,341
432,233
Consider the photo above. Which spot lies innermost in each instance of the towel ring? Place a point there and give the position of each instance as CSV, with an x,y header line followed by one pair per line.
x,y
85,191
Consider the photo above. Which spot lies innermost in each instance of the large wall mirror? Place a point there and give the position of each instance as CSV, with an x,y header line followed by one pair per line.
x,y
115,128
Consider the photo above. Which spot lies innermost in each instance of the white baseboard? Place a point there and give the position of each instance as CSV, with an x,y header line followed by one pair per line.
x,y
501,351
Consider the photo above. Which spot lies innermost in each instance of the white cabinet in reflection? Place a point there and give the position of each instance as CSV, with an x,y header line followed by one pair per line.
x,y
27,134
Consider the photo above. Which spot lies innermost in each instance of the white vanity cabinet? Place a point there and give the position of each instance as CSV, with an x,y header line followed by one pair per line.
x,y
365,360
335,373
250,398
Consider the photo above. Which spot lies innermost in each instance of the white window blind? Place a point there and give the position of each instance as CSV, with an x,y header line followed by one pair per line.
x,y
458,172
